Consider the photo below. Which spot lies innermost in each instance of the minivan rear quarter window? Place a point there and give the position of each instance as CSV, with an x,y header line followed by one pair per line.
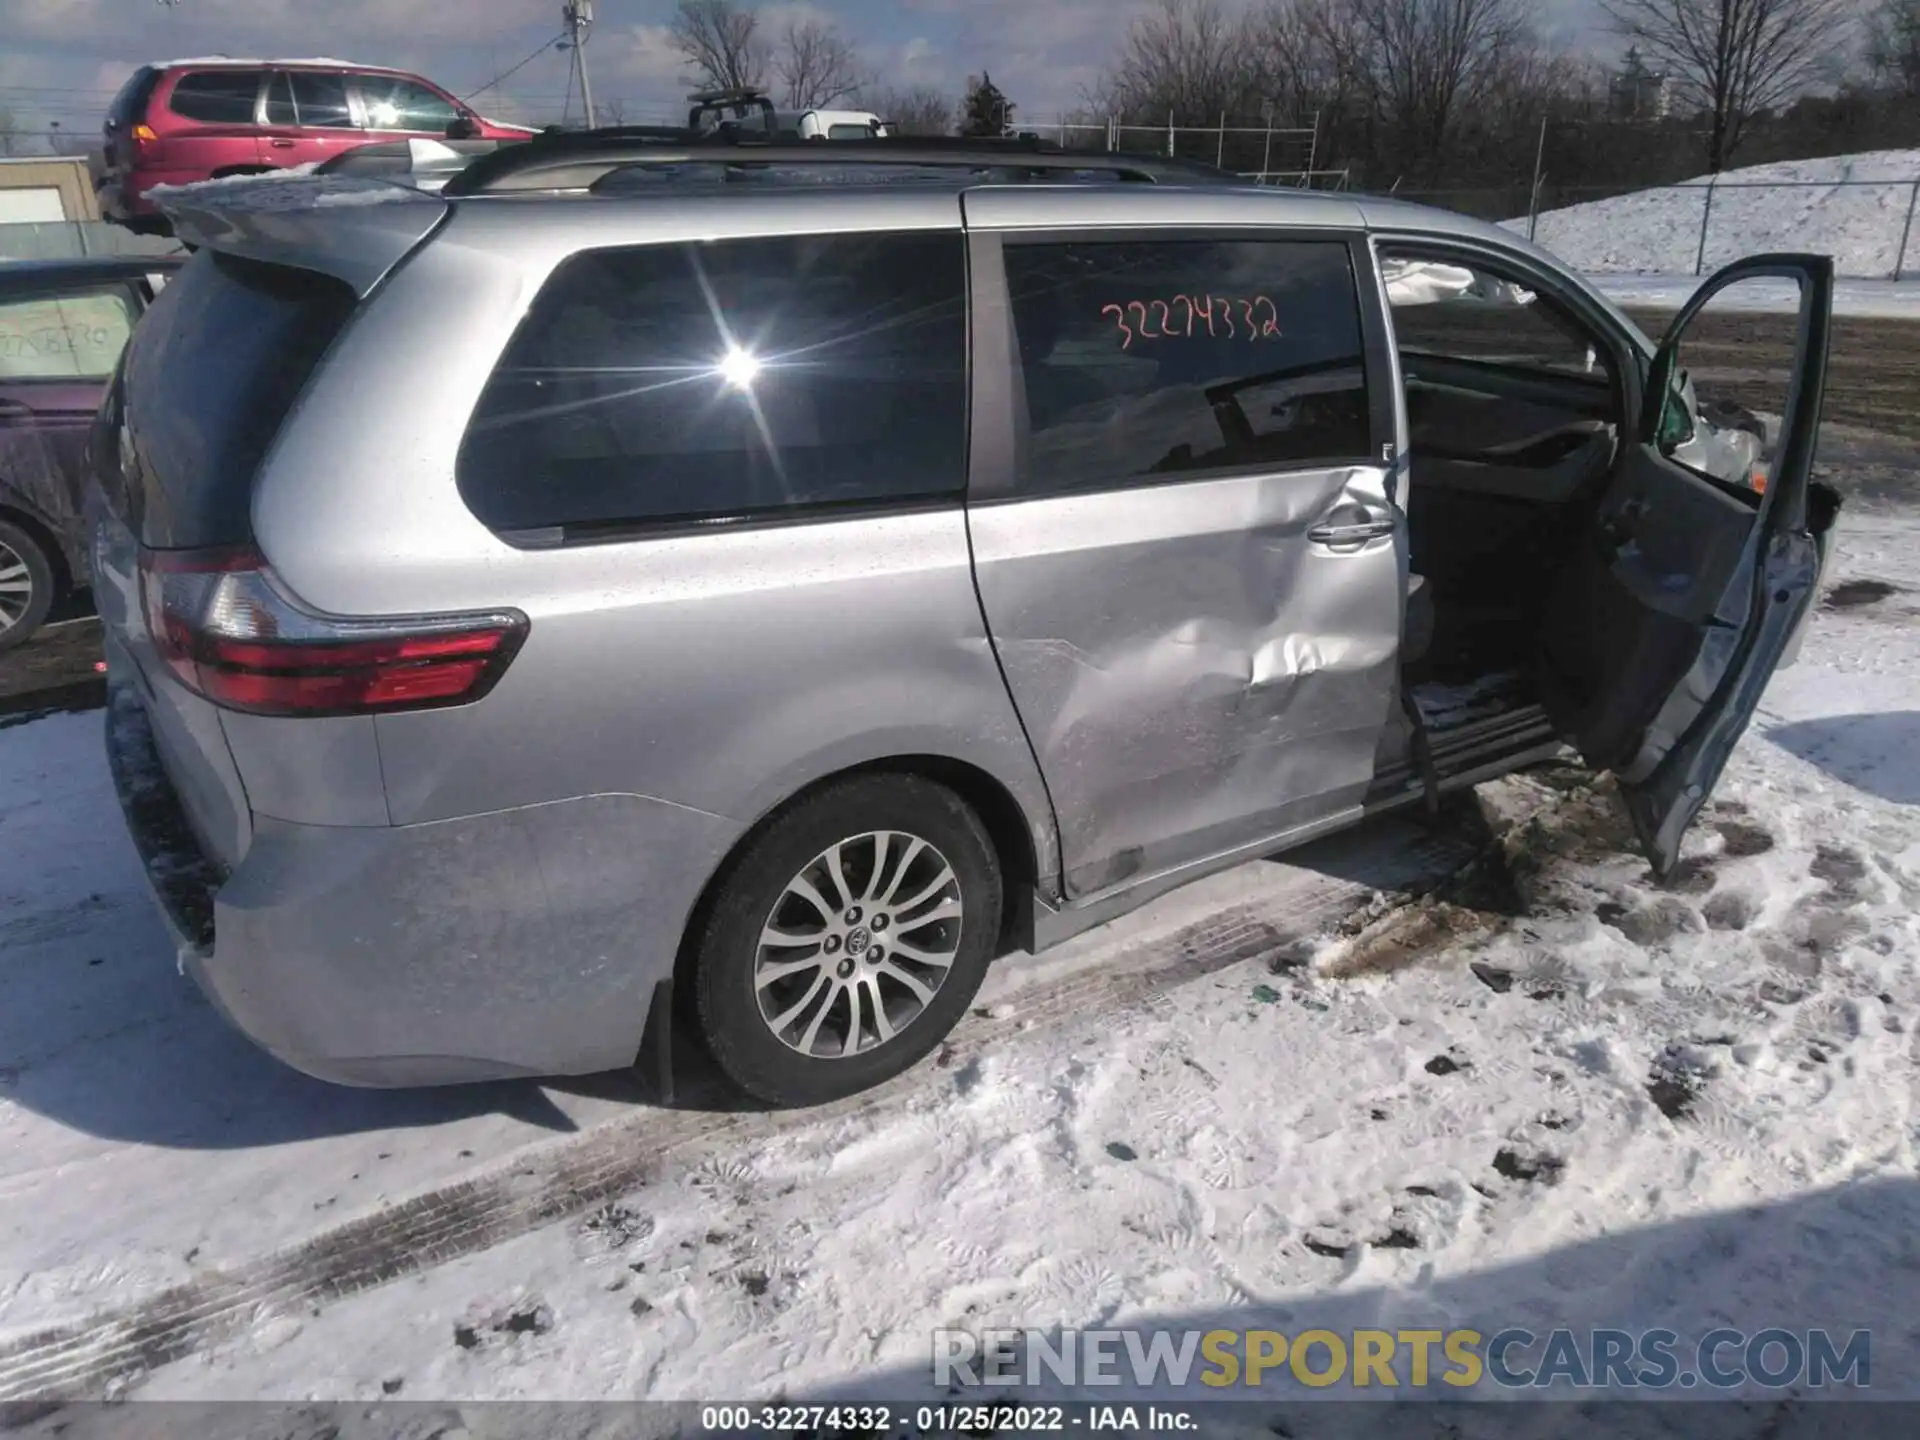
x,y
726,380
211,376
1152,358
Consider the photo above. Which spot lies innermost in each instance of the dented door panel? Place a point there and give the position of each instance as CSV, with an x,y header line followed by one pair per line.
x,y
1189,554
1193,670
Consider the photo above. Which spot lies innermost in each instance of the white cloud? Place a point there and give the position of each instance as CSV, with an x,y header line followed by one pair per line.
x,y
777,16
1044,54
640,62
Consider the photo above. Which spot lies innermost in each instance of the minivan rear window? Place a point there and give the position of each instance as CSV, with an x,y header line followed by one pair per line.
x,y
211,375
129,107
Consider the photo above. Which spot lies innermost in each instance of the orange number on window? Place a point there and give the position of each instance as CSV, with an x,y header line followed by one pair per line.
x,y
1120,318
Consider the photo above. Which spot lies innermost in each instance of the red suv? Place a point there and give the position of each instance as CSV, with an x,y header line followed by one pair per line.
x,y
190,120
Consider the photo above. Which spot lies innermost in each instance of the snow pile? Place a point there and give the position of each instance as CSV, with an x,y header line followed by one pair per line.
x,y
1622,1107
296,188
231,184
1852,207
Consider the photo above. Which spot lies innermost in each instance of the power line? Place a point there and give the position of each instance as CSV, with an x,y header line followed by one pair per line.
x,y
545,45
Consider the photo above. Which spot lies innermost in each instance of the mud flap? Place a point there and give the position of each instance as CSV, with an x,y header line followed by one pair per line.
x,y
656,1046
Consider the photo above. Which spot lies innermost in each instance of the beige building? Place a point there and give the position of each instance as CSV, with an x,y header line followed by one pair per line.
x,y
46,189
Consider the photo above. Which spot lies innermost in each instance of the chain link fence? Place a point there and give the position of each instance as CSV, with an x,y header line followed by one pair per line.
x,y
1657,225
1695,227
1259,148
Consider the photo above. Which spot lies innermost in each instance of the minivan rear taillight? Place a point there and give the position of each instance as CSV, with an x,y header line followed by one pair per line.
x,y
226,630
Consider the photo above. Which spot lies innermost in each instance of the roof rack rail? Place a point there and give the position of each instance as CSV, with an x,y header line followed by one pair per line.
x,y
580,159
736,92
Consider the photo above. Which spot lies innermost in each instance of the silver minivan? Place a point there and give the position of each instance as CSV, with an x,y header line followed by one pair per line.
x,y
633,572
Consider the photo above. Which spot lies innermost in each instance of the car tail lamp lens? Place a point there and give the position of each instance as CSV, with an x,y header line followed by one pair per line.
x,y
1757,477
226,630
145,138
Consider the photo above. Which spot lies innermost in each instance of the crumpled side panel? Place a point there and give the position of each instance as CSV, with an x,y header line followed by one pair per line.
x,y
1192,669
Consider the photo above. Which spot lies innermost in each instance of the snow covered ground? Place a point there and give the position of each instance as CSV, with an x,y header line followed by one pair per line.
x,y
1549,1093
1884,299
1852,207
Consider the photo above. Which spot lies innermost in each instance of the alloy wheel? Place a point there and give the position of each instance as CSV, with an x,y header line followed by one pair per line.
x,y
16,587
857,945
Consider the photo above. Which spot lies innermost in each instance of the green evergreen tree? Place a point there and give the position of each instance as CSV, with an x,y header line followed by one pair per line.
x,y
987,111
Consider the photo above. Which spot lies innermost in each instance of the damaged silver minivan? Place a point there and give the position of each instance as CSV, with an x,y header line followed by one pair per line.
x,y
626,572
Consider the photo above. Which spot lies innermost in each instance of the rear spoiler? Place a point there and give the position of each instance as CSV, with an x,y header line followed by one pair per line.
x,y
353,228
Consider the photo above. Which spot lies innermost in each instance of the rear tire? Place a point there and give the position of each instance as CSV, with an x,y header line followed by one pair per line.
x,y
847,939
26,585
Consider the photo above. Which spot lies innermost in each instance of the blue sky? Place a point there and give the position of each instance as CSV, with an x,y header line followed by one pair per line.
x,y
63,58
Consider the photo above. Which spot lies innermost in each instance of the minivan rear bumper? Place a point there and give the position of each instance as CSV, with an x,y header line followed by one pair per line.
x,y
182,877
525,942
125,195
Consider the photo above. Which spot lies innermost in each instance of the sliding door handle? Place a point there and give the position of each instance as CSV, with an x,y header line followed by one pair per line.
x,y
1354,533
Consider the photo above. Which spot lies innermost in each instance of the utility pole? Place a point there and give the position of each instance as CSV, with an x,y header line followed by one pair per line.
x,y
578,15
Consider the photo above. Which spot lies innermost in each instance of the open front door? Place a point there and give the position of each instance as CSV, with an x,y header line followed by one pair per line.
x,y
1700,558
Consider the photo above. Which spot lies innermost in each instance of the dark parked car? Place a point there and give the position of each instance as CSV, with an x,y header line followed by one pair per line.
x,y
63,324
184,121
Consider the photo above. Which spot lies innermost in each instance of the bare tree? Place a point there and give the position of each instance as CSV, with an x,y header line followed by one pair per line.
x,y
721,40
1735,59
918,110
816,64
1308,56
1893,46
1185,59
1428,61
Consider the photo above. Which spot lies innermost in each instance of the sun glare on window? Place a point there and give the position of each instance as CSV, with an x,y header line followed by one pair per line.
x,y
738,368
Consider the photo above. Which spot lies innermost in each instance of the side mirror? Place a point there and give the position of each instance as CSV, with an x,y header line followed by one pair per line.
x,y
464,128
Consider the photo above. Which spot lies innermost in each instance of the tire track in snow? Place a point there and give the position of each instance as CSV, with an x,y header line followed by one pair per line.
x,y
112,1350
